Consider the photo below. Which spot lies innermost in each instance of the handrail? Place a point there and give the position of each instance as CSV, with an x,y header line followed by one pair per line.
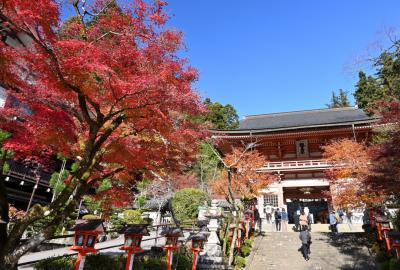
x,y
296,164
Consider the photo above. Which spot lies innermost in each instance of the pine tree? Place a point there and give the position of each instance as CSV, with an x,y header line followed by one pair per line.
x,y
339,100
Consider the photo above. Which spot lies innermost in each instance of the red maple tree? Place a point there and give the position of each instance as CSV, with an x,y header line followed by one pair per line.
x,y
351,167
104,88
246,182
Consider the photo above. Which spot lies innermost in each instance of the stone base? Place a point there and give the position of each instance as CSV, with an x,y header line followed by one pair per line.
x,y
211,258
207,262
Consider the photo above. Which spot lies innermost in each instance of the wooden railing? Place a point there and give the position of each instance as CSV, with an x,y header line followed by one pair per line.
x,y
318,164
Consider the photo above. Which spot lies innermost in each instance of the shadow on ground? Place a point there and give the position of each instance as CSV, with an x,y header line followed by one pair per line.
x,y
353,245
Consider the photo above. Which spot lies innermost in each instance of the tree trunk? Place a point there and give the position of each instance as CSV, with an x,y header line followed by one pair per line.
x,y
226,236
236,217
234,240
4,207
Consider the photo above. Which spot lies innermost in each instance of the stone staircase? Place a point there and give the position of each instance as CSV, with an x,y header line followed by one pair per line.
x,y
344,227
279,250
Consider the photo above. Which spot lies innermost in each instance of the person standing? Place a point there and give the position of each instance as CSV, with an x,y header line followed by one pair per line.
x,y
257,220
333,222
284,220
268,214
349,215
278,217
309,220
305,238
303,220
296,217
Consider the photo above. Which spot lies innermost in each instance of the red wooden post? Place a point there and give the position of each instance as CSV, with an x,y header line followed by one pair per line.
x,y
378,226
371,217
169,259
171,243
86,233
80,261
197,246
133,234
194,262
129,260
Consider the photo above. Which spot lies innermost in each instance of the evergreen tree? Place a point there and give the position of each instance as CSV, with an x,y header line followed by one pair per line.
x,y
220,116
339,100
385,84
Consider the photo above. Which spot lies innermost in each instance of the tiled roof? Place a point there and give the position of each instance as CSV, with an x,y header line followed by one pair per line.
x,y
305,119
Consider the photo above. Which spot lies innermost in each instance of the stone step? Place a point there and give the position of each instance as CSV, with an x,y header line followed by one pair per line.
x,y
279,250
270,227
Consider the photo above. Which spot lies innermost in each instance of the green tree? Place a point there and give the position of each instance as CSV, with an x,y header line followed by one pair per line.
x,y
368,91
385,84
220,116
339,100
207,165
186,201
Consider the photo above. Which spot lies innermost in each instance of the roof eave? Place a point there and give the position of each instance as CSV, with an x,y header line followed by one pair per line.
x,y
266,130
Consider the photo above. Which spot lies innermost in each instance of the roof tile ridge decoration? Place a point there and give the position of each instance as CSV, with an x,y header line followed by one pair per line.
x,y
254,116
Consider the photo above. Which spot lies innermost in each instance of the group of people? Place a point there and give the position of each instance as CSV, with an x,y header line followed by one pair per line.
x,y
302,218
281,219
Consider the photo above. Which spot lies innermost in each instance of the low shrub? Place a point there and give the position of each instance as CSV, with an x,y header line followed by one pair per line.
x,y
93,262
108,262
392,264
240,262
91,217
133,216
245,251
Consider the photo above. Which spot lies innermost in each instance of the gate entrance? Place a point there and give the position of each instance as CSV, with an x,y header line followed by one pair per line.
x,y
314,198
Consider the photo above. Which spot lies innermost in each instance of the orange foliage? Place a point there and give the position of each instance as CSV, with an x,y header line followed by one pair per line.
x,y
350,162
246,181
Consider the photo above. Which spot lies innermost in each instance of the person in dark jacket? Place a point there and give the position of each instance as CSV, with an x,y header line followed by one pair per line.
x,y
278,218
305,238
296,217
257,220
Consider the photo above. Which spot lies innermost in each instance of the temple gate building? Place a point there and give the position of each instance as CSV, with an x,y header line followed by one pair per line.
x,y
292,142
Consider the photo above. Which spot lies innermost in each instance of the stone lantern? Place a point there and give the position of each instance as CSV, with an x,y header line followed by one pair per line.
x,y
133,234
395,237
197,246
171,243
85,237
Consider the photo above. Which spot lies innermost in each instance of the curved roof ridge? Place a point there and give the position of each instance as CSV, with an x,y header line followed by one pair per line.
x,y
300,112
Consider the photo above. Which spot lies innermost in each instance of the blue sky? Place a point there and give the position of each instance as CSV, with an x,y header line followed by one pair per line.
x,y
266,56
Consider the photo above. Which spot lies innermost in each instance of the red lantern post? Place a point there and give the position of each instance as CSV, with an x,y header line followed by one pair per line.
x,y
197,246
383,225
241,228
248,222
133,238
171,243
85,237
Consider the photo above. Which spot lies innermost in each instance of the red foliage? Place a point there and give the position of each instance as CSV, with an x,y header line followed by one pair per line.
x,y
348,176
246,181
386,153
112,91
